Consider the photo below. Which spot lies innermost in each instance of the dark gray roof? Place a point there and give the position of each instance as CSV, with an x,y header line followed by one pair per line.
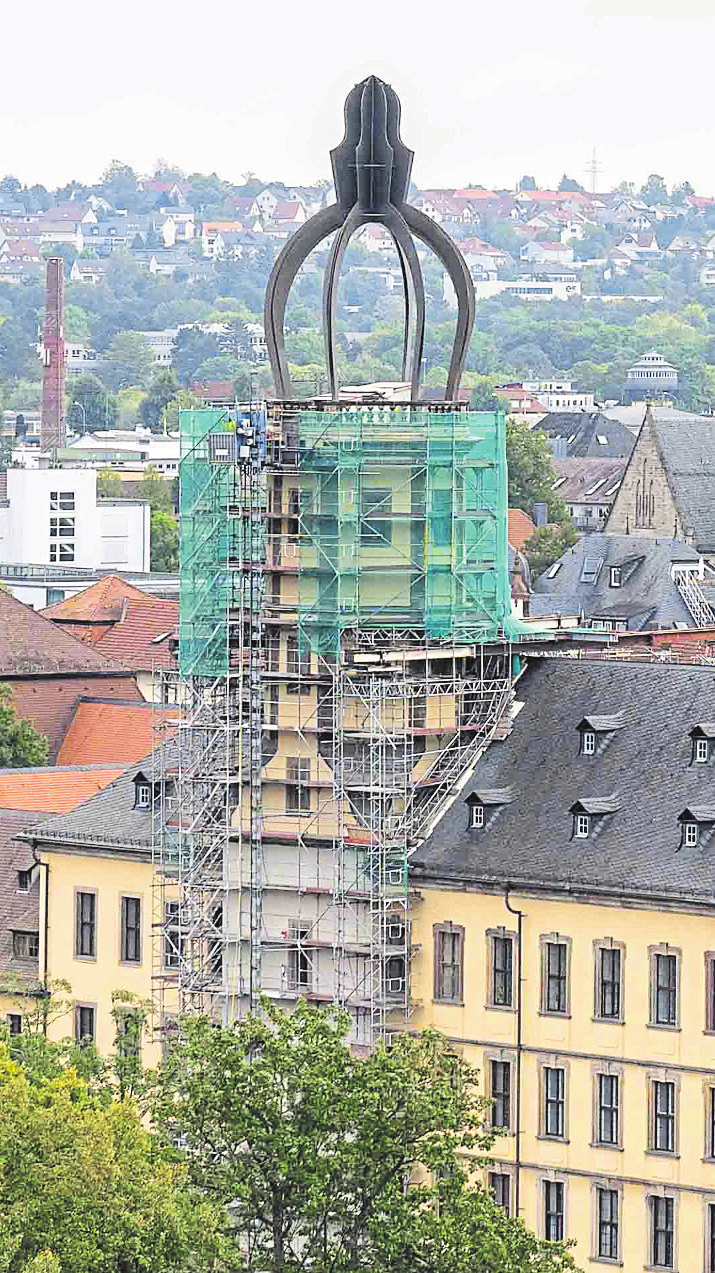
x,y
687,447
576,478
605,724
647,594
636,850
495,795
597,804
576,433
17,910
109,817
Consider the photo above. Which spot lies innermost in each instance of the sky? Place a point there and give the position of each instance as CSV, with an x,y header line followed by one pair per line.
x,y
488,93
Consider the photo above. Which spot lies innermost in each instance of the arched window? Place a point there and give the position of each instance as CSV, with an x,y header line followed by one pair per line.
x,y
638,503
651,504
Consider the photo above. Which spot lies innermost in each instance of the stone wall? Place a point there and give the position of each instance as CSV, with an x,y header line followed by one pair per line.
x,y
644,504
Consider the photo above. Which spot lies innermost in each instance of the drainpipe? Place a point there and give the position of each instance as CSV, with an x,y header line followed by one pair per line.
x,y
45,992
519,1025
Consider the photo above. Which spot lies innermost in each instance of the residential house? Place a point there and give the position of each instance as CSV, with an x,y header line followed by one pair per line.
x,y
170,193
639,247
289,213
685,244
115,730
375,238
588,488
668,487
619,583
162,344
60,232
107,235
49,670
707,274
91,271
548,253
20,251
563,938
587,433
211,233
73,211
559,395
126,625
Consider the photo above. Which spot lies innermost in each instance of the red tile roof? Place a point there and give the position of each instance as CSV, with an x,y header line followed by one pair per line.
x,y
31,644
106,731
54,790
125,624
521,528
49,701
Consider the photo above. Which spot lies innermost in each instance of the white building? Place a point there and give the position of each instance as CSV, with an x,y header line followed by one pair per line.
x,y
558,395
53,516
162,344
526,288
130,448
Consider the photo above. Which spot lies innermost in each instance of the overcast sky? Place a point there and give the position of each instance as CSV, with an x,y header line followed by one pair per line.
x,y
489,92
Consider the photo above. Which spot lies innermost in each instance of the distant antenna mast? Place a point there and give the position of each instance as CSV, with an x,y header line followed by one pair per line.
x,y
593,169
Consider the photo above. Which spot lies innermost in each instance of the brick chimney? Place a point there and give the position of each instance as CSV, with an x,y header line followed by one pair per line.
x,y
52,424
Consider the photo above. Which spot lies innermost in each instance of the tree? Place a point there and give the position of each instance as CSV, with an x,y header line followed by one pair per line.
x,y
191,348
527,183
109,484
129,360
569,184
654,190
531,476
21,746
626,188
164,542
90,407
547,544
310,1147
83,1186
161,389
155,490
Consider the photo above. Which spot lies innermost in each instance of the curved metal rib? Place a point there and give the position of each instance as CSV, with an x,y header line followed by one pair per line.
x,y
456,267
280,282
413,343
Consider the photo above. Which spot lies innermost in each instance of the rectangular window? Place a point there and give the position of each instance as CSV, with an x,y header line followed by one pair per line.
x,y
61,552
608,1005
297,793
499,1183
502,971
477,821
589,742
711,1238
554,1101
375,533
24,881
62,527
143,795
62,501
581,826
608,1224
664,1116
299,968
691,834
84,1023
663,1232
500,1093
701,751
608,1109
553,1210
710,991
173,941
131,943
710,1128
25,945
86,925
449,962
129,1035
14,1022
666,989
556,964
297,665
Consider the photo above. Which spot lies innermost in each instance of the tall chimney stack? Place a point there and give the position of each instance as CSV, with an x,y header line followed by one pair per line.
x,y
52,425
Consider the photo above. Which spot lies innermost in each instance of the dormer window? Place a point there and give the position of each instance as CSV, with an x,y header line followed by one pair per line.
x,y
588,742
581,826
702,738
690,834
615,576
702,751
477,817
143,800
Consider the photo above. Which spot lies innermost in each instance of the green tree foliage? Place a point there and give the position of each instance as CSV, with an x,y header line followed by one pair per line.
x,y
109,484
128,361
527,183
155,490
90,407
161,390
654,190
191,348
164,542
83,1188
20,744
311,1147
531,475
569,184
547,544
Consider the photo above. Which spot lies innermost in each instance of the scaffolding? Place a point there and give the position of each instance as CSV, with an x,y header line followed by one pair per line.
x,y
345,656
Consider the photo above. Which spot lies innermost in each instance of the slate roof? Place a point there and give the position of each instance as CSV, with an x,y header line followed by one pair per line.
x,y
584,428
104,730
55,789
687,447
647,595
581,475
17,910
636,849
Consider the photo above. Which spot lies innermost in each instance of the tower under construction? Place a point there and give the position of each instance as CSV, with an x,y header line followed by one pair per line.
x,y
344,655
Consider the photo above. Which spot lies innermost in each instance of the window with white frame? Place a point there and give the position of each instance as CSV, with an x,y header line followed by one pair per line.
x,y
143,795
690,834
62,501
477,819
588,744
581,826
702,751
